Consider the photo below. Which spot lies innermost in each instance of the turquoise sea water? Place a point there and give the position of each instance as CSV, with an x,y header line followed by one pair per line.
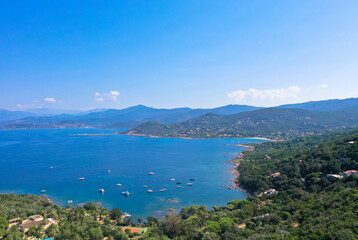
x,y
27,155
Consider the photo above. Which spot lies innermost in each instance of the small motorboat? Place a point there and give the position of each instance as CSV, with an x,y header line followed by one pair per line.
x,y
118,185
81,179
173,179
151,173
101,190
191,179
189,184
108,171
145,186
178,186
43,191
126,193
178,182
163,190
150,191
51,167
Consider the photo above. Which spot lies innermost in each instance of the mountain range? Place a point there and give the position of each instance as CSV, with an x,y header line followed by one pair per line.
x,y
119,119
152,121
271,123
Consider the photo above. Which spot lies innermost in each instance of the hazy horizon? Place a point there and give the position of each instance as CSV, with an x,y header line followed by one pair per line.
x,y
89,109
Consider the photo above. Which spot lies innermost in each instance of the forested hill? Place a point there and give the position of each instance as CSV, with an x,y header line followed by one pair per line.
x,y
268,122
303,163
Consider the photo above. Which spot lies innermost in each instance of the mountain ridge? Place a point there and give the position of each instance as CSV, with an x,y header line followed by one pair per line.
x,y
268,122
133,116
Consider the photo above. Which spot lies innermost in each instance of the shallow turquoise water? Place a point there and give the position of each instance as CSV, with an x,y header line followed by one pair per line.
x,y
27,155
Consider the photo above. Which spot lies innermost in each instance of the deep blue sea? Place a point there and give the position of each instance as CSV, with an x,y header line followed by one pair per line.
x,y
26,157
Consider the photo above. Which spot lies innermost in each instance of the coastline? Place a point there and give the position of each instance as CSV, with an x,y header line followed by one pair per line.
x,y
90,134
235,162
156,136
234,171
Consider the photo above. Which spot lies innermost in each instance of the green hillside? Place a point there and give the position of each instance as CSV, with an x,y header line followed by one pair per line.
x,y
269,122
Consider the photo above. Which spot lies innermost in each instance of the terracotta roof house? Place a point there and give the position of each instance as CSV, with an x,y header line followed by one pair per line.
x,y
350,172
35,220
295,225
29,223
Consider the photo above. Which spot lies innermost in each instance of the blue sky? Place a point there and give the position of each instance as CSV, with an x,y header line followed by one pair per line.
x,y
115,54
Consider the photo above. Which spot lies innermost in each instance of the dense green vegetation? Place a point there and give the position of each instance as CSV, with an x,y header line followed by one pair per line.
x,y
307,203
268,122
90,221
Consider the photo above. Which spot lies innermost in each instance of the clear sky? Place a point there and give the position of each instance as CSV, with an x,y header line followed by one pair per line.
x,y
89,54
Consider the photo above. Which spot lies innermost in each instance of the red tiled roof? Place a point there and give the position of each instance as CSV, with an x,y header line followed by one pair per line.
x,y
294,225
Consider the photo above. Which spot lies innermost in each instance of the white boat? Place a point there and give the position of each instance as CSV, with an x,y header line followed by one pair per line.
x,y
108,171
151,173
51,167
118,185
101,190
163,190
43,191
173,179
178,186
150,191
81,179
145,186
126,193
189,184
